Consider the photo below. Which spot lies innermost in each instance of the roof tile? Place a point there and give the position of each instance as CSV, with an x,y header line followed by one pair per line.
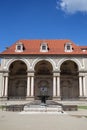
x,y
33,47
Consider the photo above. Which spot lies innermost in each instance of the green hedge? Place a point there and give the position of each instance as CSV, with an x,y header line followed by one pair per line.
x,y
82,107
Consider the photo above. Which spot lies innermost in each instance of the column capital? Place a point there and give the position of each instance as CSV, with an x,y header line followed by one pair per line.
x,y
82,71
30,73
56,73
81,74
6,74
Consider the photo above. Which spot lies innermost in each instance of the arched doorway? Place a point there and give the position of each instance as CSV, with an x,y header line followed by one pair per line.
x,y
43,79
17,80
69,80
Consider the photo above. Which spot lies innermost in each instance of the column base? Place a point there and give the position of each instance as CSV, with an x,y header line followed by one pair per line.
x,y
82,98
30,98
56,98
3,98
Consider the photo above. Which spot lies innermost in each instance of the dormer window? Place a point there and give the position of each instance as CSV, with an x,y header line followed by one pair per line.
x,y
44,47
19,47
84,49
68,47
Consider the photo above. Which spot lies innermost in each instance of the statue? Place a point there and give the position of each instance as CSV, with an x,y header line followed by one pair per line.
x,y
43,94
43,90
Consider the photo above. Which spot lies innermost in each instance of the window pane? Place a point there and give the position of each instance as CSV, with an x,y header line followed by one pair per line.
x,y
68,47
43,47
18,47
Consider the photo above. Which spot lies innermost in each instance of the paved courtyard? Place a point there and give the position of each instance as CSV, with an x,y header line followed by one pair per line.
x,y
71,121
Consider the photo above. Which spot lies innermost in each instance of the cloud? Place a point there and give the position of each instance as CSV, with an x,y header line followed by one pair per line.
x,y
72,6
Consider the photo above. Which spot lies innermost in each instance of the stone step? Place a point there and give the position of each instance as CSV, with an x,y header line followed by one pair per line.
x,y
43,109
48,102
37,106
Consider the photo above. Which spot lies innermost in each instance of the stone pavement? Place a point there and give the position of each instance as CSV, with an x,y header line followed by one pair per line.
x,y
73,120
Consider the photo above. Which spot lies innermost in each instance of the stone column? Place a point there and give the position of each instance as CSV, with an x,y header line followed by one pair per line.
x,y
80,87
84,87
28,86
5,85
32,86
58,87
54,86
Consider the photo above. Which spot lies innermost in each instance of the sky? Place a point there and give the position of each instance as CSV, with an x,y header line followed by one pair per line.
x,y
42,19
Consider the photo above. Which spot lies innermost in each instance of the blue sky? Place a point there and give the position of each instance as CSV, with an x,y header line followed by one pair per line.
x,y
42,19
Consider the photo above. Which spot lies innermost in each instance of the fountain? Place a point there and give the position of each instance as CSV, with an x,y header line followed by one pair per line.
x,y
43,104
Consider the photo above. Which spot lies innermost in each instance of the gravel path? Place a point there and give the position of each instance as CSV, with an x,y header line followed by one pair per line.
x,y
16,121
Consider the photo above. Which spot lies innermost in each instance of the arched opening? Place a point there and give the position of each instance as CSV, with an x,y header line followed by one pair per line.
x,y
17,83
69,80
43,79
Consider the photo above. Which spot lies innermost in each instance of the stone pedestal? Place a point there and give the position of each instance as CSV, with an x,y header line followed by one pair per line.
x,y
43,109
43,98
56,98
30,98
3,98
82,98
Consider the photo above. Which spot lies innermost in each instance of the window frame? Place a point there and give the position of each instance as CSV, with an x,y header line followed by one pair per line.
x,y
19,47
44,47
68,47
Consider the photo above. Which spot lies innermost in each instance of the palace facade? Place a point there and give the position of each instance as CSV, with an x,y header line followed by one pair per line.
x,y
56,68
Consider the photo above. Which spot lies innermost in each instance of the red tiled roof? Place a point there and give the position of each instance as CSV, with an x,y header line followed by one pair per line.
x,y
83,47
33,47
